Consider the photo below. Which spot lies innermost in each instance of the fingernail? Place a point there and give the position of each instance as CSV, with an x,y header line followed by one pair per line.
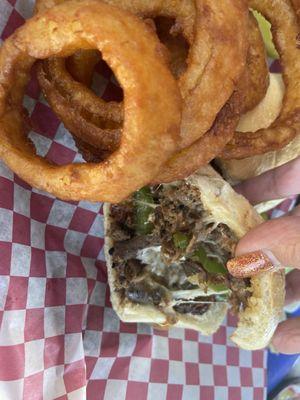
x,y
253,263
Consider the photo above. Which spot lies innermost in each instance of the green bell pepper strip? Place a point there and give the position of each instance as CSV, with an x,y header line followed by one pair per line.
x,y
265,216
142,202
211,265
180,240
218,287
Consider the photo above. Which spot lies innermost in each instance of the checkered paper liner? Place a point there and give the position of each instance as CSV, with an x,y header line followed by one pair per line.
x,y
59,336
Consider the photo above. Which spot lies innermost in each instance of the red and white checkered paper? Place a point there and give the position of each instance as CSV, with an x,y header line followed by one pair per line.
x,y
59,336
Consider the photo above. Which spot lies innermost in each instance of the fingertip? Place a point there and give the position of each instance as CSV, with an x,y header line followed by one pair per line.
x,y
286,339
277,183
281,236
254,240
292,285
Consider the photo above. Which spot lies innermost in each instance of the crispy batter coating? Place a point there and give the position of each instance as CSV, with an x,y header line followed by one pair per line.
x,y
286,33
227,40
200,153
152,115
216,33
254,82
81,65
89,118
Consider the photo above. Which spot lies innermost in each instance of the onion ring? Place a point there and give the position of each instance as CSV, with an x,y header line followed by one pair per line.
x,y
216,58
94,123
200,153
255,81
296,5
81,65
152,116
222,26
90,153
177,45
285,30
89,118
182,10
251,90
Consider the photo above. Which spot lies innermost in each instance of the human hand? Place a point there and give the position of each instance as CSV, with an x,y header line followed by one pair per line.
x,y
274,244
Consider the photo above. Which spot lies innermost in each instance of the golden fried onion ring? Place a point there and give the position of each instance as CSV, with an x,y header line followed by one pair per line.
x,y
152,115
255,80
200,153
207,147
95,123
296,6
250,90
285,30
88,117
182,10
217,36
81,65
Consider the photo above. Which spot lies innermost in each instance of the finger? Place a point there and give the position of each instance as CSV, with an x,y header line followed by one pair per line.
x,y
292,286
286,338
280,182
281,236
273,244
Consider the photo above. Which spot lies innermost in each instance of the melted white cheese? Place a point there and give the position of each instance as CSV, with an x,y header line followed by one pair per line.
x,y
173,274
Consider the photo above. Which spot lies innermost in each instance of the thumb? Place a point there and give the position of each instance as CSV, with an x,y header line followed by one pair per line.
x,y
271,245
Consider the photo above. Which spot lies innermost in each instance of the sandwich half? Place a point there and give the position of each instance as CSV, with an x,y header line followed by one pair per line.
x,y
166,249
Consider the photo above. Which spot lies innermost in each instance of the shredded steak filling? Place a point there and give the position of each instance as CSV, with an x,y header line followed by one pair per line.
x,y
199,306
150,266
